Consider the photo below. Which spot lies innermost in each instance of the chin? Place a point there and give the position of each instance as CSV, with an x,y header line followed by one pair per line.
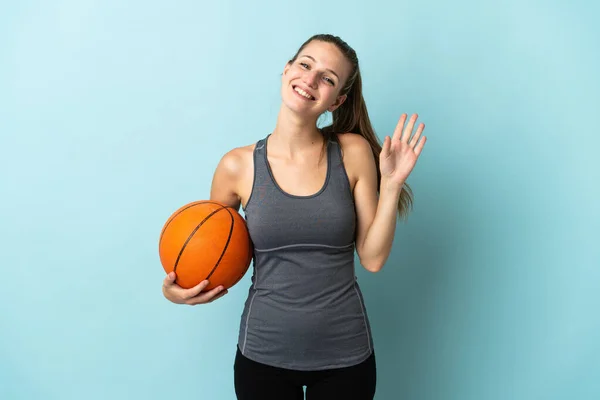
x,y
297,108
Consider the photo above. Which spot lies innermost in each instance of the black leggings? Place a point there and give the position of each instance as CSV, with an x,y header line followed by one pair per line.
x,y
256,381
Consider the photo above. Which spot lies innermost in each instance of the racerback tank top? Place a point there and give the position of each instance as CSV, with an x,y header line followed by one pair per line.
x,y
304,310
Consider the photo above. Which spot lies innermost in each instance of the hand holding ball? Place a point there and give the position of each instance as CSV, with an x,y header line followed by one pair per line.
x,y
206,240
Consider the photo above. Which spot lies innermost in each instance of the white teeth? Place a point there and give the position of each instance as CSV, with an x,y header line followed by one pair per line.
x,y
303,93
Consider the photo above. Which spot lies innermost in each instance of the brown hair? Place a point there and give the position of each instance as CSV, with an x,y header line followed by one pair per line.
x,y
352,115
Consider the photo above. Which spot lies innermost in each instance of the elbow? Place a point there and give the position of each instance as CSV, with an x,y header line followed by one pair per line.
x,y
371,262
374,268
372,265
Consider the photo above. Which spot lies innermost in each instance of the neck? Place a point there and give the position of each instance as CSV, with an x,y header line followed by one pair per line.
x,y
294,134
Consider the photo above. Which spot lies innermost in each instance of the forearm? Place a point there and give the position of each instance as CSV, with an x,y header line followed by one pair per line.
x,y
379,238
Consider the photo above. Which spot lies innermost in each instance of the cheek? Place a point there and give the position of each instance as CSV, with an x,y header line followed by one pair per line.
x,y
330,94
289,77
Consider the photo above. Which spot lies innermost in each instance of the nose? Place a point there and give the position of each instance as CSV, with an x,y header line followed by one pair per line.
x,y
311,79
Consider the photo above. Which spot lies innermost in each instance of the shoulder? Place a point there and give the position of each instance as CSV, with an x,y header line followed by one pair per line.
x,y
356,150
232,176
236,160
358,159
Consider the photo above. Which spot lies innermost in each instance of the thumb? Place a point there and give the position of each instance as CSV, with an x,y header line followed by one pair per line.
x,y
385,149
170,278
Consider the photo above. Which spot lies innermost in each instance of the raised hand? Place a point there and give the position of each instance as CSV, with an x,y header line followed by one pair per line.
x,y
400,152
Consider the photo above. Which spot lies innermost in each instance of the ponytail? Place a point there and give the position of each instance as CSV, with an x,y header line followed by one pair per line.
x,y
352,116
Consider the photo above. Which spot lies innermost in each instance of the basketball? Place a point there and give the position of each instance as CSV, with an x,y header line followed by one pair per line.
x,y
205,240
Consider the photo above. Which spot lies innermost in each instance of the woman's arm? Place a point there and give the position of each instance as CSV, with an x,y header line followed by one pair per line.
x,y
377,215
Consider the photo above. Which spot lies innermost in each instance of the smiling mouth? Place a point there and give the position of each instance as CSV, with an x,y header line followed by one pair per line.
x,y
303,93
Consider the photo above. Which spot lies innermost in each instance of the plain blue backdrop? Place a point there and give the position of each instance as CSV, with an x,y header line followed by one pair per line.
x,y
114,114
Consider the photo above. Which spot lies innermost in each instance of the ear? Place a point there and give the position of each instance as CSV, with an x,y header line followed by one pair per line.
x,y
338,102
286,68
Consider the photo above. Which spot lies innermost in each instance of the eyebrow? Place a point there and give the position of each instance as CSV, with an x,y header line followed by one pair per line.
x,y
330,70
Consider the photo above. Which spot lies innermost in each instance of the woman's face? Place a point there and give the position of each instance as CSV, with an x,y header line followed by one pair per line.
x,y
312,83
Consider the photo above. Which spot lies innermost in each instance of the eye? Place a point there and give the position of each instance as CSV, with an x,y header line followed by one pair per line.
x,y
304,65
329,80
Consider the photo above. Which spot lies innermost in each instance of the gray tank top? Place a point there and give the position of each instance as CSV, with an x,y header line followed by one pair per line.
x,y
304,310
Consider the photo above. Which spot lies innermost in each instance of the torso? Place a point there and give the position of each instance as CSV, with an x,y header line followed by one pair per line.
x,y
304,309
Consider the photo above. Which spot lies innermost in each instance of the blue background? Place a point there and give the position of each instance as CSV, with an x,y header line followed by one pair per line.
x,y
113,114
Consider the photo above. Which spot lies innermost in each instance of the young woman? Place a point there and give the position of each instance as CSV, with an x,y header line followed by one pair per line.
x,y
312,196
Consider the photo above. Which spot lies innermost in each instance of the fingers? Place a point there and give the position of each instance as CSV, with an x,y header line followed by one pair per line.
x,y
169,279
419,147
401,134
192,296
207,297
409,128
223,293
398,131
413,141
196,290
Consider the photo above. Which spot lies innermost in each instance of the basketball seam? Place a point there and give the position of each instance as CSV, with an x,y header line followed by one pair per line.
x,y
193,232
227,208
162,233
226,245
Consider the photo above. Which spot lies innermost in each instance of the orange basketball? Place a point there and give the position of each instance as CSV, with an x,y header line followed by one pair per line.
x,y
205,240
